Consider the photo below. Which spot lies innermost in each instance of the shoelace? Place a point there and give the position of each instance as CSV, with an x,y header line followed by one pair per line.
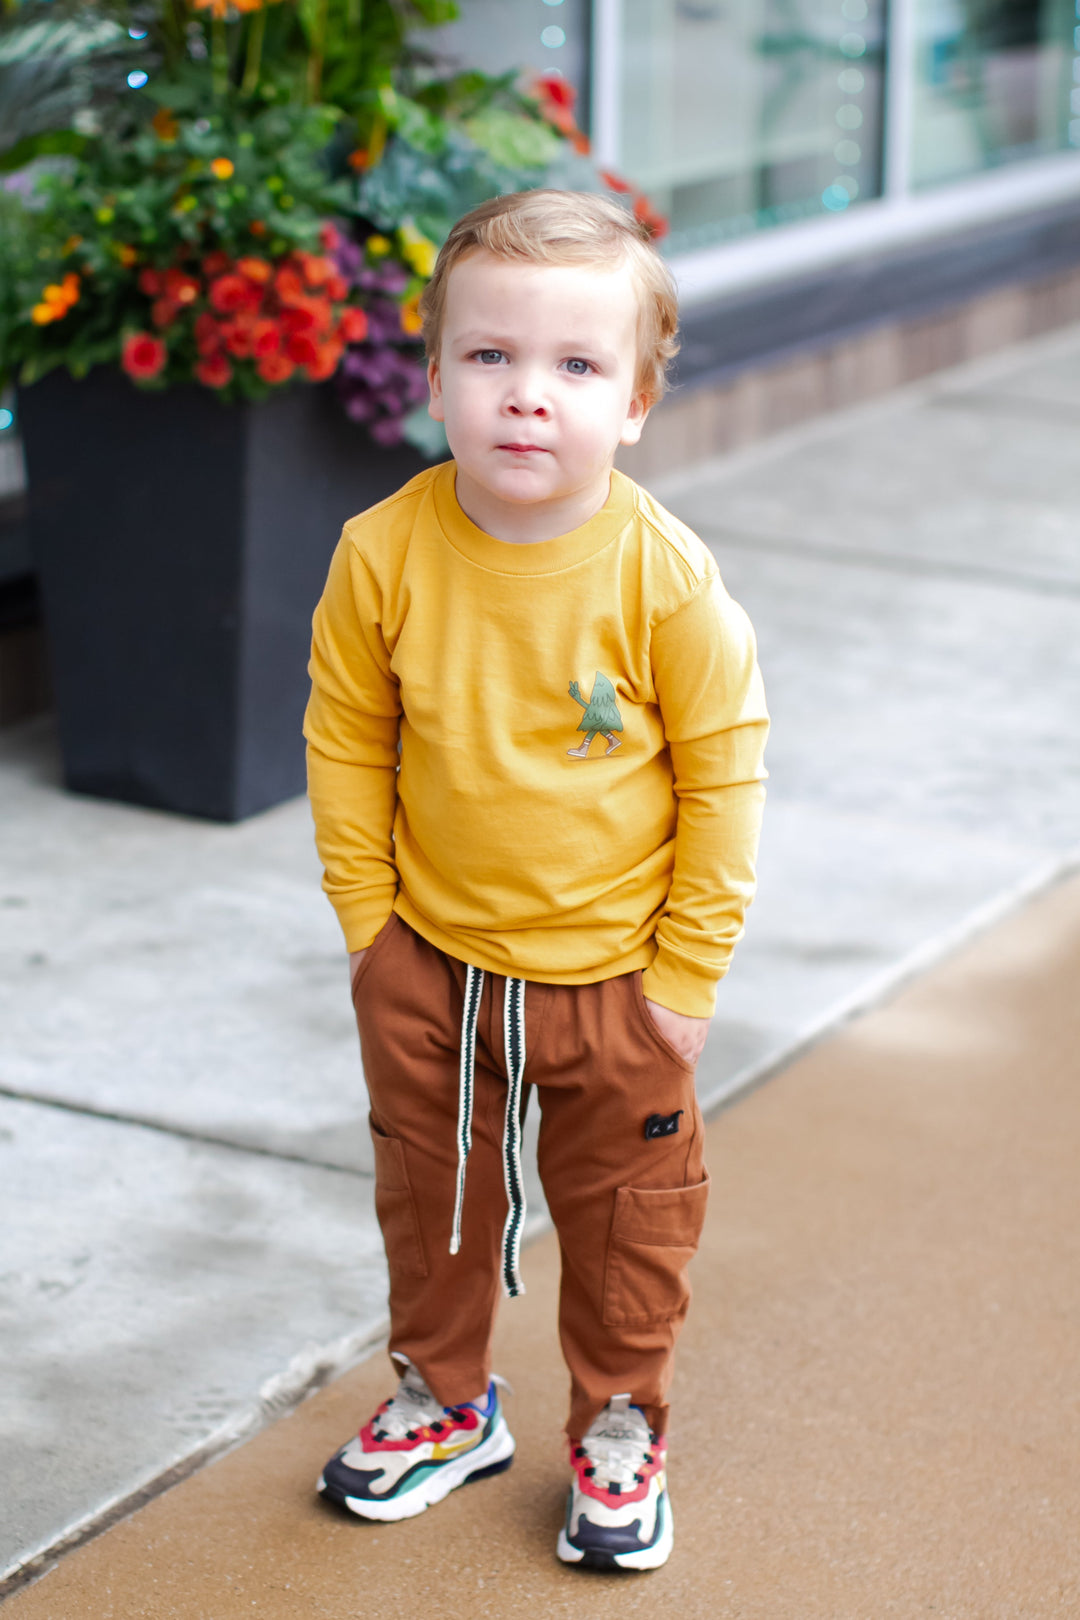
x,y
618,1444
412,1406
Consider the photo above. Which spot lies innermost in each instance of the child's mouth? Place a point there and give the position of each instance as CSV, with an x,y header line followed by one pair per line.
x,y
523,449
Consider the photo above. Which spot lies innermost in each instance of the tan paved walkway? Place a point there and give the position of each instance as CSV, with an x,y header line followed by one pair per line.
x,y
878,1405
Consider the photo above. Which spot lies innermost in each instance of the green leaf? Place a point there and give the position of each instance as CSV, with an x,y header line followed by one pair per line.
x,y
512,140
52,144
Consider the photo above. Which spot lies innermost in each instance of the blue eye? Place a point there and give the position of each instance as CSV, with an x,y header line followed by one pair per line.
x,y
578,368
489,357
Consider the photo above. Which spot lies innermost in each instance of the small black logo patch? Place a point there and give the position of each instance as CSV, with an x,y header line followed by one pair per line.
x,y
662,1124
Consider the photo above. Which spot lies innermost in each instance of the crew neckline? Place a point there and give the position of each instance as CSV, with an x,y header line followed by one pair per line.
x,y
537,556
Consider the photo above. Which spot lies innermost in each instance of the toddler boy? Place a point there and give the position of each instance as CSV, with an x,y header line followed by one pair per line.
x,y
535,760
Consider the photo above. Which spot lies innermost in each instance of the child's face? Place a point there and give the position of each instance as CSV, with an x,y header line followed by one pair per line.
x,y
535,382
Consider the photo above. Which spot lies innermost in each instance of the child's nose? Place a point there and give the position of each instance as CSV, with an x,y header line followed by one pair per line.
x,y
526,397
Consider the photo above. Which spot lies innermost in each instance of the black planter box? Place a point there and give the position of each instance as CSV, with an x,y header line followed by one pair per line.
x,y
181,545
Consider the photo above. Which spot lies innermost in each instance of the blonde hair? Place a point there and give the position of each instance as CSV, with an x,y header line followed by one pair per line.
x,y
566,227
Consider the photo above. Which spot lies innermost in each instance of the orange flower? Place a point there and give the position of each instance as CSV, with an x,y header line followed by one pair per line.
x,y
326,361
214,371
257,228
218,8
163,311
655,223
353,325
255,269
317,270
143,356
70,245
289,285
614,182
223,168
409,316
164,125
337,288
275,368
127,255
56,299
358,159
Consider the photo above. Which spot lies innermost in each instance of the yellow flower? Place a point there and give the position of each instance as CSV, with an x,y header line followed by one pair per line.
x,y
105,216
222,168
417,251
409,315
378,246
42,314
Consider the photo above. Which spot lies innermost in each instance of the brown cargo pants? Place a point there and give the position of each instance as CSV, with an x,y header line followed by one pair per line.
x,y
620,1158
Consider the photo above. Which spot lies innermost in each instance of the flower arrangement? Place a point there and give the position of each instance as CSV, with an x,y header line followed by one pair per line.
x,y
264,201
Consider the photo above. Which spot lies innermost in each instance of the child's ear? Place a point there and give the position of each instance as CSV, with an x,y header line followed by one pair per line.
x,y
640,407
434,382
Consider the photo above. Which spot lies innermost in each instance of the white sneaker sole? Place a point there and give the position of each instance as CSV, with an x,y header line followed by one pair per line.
x,y
491,1457
642,1558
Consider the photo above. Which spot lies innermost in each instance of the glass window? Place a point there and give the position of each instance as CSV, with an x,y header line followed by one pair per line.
x,y
994,80
542,35
742,113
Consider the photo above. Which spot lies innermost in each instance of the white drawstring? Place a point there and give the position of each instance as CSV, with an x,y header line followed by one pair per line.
x,y
514,1037
474,989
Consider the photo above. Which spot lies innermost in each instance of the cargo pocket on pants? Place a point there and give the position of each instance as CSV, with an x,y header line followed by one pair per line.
x,y
654,1236
396,1208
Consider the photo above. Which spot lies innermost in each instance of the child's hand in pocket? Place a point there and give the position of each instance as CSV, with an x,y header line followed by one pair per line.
x,y
685,1034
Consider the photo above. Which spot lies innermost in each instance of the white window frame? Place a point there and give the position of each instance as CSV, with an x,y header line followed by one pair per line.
x,y
897,218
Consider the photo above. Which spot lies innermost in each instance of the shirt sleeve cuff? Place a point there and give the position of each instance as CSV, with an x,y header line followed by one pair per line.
x,y
681,983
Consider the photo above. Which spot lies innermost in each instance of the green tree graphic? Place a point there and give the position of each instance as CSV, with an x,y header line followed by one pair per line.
x,y
601,714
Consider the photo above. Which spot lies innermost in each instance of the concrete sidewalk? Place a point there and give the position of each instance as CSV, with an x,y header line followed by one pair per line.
x,y
184,1170
875,1405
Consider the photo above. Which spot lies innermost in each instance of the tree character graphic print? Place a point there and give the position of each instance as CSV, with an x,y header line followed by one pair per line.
x,y
601,716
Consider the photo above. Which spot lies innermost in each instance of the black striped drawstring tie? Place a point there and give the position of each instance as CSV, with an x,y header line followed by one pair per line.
x,y
514,1037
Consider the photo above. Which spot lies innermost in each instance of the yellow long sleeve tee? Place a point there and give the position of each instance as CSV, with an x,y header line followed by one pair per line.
x,y
546,758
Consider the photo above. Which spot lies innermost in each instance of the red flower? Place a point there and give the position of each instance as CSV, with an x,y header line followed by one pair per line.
x,y
230,293
353,325
553,87
337,288
163,311
265,339
275,368
215,371
215,264
152,283
614,182
326,361
207,334
180,287
236,335
330,237
302,347
143,356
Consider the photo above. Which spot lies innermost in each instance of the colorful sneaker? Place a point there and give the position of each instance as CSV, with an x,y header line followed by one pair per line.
x,y
618,1515
413,1452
